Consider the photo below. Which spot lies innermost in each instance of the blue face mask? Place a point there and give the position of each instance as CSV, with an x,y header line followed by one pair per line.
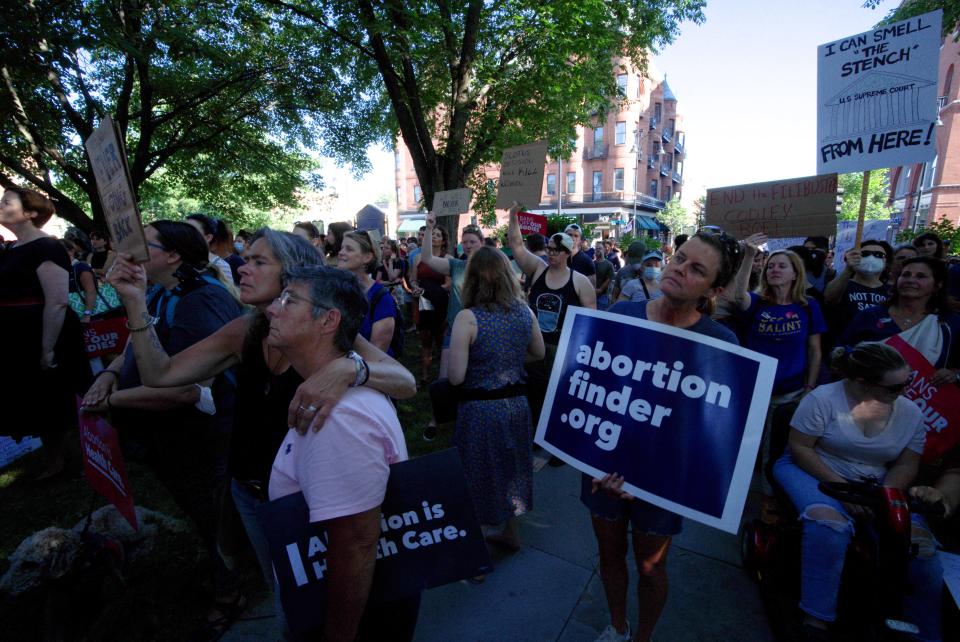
x,y
238,246
651,273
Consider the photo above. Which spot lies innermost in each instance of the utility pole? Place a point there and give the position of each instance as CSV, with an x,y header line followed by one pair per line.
x,y
560,183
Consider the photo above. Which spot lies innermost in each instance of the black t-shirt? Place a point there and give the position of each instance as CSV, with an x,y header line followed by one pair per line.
x,y
76,270
235,261
582,264
855,299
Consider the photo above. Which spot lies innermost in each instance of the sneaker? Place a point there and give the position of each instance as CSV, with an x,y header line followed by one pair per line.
x,y
610,634
430,433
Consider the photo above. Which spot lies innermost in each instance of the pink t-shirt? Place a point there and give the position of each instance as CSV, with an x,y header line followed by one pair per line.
x,y
342,469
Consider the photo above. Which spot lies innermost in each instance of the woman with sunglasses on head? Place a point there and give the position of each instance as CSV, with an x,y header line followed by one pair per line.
x,y
358,256
918,311
859,428
271,395
695,275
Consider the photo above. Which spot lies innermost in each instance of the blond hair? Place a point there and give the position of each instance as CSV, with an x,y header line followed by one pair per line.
x,y
798,293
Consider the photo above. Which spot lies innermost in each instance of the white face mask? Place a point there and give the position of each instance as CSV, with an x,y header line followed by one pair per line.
x,y
651,273
870,265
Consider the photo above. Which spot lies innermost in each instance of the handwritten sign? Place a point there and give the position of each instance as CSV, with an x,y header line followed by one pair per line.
x,y
453,201
780,209
103,463
108,158
679,414
532,223
877,96
521,175
873,230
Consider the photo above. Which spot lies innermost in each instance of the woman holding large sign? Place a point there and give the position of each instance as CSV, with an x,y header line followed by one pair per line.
x,y
698,272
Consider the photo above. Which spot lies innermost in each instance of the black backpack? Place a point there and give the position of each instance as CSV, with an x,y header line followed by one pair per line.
x,y
396,342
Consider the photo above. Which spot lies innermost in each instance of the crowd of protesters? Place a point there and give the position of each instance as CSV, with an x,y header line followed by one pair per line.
x,y
274,355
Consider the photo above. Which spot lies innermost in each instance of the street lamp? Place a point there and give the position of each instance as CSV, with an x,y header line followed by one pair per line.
x,y
637,134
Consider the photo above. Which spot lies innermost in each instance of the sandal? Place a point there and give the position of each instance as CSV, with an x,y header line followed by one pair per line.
x,y
220,618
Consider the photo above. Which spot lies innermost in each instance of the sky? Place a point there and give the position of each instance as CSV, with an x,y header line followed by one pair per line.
x,y
746,81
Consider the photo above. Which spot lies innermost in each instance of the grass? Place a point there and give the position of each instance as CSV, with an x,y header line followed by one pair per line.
x,y
164,597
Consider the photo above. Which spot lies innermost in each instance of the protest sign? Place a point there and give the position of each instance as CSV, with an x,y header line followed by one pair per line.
x,y
105,336
108,159
521,175
677,413
532,223
873,230
370,218
451,202
429,537
103,463
940,404
792,207
877,96
951,573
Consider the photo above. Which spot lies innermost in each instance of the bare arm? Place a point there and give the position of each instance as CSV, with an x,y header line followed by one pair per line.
x,y
89,287
463,334
438,264
813,361
801,447
351,555
535,349
55,283
835,289
585,290
946,490
904,470
738,294
529,262
144,398
381,333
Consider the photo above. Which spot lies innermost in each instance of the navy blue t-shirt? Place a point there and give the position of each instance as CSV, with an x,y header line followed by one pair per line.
x,y
386,309
705,325
582,263
876,324
781,332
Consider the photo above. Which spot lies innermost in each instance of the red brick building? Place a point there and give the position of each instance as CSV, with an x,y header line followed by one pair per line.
x,y
629,163
927,192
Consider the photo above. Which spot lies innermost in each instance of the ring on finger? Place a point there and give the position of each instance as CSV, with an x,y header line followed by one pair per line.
x,y
311,408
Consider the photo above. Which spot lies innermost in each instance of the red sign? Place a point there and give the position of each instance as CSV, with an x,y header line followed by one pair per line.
x,y
940,404
532,223
105,336
103,464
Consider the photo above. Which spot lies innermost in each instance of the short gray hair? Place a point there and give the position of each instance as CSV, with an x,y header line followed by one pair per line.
x,y
332,288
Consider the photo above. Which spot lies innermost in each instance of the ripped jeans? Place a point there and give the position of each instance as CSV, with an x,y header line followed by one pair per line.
x,y
824,549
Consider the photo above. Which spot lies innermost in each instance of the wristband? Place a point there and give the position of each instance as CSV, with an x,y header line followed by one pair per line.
x,y
87,313
145,326
362,373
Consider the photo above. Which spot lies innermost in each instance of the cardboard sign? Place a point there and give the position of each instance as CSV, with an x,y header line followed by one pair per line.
x,y
105,336
940,404
453,201
677,413
103,464
521,175
874,230
430,537
791,207
532,223
108,159
877,96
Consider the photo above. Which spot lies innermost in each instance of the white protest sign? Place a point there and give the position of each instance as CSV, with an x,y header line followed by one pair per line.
x,y
877,96
109,162
521,175
951,573
846,235
451,202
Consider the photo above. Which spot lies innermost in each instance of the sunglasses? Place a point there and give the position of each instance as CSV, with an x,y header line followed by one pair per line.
x,y
876,253
895,388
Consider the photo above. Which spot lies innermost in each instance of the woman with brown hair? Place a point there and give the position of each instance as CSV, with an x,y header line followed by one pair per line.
x,y
433,291
43,341
358,256
492,337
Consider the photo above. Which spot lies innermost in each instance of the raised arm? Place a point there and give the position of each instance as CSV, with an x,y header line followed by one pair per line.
x,y
833,293
438,264
739,295
527,260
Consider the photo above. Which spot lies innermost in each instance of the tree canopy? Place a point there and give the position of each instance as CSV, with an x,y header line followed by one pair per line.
x,y
878,195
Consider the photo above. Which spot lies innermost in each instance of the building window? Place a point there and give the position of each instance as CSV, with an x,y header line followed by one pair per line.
x,y
622,84
653,188
673,126
639,89
666,193
620,135
948,82
551,184
417,195
654,149
903,185
571,182
597,184
618,179
597,136
657,112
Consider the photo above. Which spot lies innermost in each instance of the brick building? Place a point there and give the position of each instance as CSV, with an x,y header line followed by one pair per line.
x,y
926,192
629,163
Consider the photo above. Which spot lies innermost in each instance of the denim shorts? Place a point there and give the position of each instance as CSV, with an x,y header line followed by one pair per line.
x,y
644,516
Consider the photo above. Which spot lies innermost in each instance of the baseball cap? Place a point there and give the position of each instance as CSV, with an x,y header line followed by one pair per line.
x,y
573,226
564,240
652,254
636,250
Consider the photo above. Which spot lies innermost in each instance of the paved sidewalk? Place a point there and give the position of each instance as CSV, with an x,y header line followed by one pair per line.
x,y
550,590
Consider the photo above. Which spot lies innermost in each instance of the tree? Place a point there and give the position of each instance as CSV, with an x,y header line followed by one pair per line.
x,y
910,8
878,194
216,101
699,211
944,228
462,81
675,216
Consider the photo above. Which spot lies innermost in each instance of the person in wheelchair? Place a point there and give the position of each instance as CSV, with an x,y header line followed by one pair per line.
x,y
856,429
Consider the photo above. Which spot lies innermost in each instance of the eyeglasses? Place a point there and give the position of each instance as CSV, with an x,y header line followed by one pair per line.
x,y
876,253
555,250
287,295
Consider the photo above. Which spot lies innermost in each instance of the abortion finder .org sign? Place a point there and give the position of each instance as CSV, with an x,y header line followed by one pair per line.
x,y
678,414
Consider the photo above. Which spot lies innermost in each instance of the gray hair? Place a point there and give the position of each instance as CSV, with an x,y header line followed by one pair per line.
x,y
332,288
290,250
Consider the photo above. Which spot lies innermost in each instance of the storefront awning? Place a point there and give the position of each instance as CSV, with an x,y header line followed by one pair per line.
x,y
411,225
647,223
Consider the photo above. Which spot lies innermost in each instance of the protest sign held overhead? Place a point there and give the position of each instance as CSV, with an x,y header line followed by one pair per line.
x,y
677,413
521,175
877,96
791,207
532,223
108,159
451,202
103,463
429,537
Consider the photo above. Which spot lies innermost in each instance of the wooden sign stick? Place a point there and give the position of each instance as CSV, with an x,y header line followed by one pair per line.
x,y
863,209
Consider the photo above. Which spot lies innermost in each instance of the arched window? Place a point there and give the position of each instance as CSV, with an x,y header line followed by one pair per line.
x,y
948,82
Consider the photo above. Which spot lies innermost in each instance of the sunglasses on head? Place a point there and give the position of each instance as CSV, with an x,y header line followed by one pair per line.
x,y
877,253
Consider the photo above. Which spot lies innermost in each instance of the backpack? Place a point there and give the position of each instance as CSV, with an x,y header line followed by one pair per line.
x,y
396,342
